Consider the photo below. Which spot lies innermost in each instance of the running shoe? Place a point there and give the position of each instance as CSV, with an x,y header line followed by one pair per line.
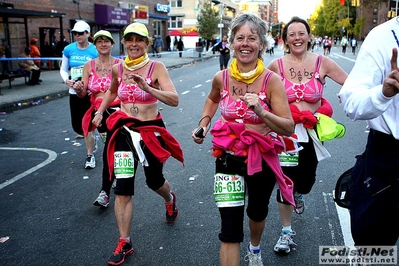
x,y
285,242
300,203
102,200
254,257
171,209
90,162
122,250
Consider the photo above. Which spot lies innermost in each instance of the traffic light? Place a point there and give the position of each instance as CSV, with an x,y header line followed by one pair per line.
x,y
355,2
391,14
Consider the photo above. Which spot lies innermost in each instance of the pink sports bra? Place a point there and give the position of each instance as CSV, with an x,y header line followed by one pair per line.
x,y
237,110
132,93
99,84
311,91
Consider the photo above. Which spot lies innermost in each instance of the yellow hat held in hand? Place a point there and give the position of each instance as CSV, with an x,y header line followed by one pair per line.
x,y
328,129
137,28
103,33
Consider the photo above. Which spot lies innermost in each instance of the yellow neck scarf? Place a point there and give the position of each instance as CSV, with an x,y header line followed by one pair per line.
x,y
136,63
248,77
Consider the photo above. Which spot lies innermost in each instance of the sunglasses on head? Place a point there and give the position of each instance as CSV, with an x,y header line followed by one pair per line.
x,y
79,33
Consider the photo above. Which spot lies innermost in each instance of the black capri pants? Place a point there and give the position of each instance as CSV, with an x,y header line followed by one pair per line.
x,y
258,189
78,108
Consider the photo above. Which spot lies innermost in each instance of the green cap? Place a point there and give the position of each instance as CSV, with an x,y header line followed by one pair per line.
x,y
103,33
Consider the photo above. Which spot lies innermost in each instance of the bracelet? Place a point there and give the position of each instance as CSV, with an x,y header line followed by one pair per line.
x,y
210,121
98,113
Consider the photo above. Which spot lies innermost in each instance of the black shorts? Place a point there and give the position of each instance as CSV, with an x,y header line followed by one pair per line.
x,y
304,174
153,172
258,189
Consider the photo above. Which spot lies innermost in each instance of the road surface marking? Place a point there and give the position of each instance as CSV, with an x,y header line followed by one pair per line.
x,y
51,157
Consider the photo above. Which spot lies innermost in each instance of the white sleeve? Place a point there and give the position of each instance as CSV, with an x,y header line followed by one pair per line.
x,y
64,68
361,94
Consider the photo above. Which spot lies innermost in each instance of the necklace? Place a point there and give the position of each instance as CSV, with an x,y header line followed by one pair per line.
x,y
105,71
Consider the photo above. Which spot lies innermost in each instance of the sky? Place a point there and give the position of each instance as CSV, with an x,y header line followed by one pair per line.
x,y
301,8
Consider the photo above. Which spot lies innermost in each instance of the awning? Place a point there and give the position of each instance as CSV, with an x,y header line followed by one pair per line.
x,y
177,15
158,16
6,13
183,33
22,13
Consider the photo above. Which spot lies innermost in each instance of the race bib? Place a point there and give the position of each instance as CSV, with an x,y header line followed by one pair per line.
x,y
103,136
123,164
76,73
229,190
287,159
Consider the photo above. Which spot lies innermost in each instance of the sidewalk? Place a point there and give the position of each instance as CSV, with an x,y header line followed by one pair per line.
x,y
52,87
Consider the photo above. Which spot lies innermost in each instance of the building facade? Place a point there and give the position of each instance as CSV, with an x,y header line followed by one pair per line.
x,y
51,21
375,14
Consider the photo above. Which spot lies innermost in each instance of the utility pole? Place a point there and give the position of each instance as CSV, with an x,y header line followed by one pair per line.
x,y
221,25
348,21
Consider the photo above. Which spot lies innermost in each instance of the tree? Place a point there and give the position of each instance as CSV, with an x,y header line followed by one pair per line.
x,y
207,21
332,18
358,27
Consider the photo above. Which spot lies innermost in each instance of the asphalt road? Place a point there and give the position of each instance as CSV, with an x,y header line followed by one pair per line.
x,y
46,194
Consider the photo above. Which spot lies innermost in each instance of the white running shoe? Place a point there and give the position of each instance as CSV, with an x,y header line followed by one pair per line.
x,y
102,200
254,259
285,242
90,162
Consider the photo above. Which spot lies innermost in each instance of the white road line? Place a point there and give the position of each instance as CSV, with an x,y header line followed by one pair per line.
x,y
344,57
51,157
344,220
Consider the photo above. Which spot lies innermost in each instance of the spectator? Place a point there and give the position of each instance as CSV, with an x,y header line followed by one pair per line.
x,y
168,42
33,71
34,51
175,41
370,93
158,45
180,46
60,46
5,52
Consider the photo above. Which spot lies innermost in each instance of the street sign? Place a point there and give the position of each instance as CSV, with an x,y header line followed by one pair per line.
x,y
220,25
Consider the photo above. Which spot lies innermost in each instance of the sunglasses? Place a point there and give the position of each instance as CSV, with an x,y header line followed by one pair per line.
x,y
79,33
